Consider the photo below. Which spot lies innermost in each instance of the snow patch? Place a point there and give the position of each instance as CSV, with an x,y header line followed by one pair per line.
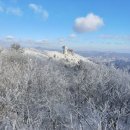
x,y
75,58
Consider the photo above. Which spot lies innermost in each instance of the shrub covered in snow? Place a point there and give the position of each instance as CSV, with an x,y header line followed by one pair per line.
x,y
46,94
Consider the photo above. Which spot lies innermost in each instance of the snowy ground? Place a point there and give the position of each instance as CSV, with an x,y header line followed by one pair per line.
x,y
75,58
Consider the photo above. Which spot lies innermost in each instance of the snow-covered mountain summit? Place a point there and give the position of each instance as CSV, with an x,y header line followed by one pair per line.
x,y
56,55
52,93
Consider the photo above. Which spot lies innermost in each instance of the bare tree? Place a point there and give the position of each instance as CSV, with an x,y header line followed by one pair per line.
x,y
42,94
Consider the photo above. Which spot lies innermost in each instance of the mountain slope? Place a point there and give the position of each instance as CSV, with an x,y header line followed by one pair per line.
x,y
75,58
51,91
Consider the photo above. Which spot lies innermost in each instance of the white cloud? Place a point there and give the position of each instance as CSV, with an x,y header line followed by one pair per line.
x,y
89,23
11,10
44,41
115,37
61,40
39,10
14,11
72,35
9,37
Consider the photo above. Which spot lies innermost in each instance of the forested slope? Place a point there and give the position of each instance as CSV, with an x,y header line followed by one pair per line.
x,y
41,93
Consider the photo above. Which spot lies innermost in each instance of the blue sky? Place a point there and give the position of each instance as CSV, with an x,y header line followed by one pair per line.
x,y
80,24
